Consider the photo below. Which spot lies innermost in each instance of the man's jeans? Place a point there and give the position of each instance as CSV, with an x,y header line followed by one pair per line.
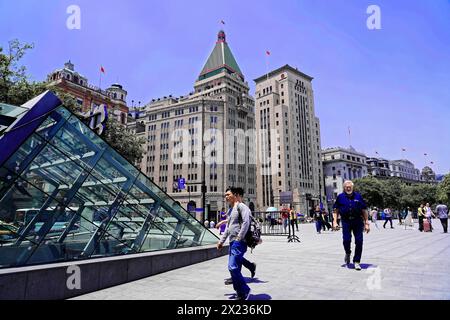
x,y
357,227
444,224
235,260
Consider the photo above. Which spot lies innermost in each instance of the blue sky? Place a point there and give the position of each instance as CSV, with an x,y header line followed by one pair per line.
x,y
391,86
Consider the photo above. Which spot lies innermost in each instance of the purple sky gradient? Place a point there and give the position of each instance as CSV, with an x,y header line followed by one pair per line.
x,y
391,86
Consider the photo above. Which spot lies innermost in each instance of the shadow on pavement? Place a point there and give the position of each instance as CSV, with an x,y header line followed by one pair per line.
x,y
364,266
253,280
262,296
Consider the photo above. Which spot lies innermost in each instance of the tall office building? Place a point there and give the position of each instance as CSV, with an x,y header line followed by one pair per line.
x,y
221,110
285,102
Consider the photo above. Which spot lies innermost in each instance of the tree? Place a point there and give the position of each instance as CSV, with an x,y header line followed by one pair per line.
x,y
443,190
371,190
123,141
15,88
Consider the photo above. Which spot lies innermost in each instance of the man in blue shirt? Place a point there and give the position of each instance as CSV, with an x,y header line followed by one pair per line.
x,y
352,210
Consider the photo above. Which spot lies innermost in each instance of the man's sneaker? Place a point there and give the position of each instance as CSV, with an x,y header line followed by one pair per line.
x,y
347,258
228,281
244,297
253,271
357,266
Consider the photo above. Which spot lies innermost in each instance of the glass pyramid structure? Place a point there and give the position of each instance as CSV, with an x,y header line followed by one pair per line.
x,y
65,194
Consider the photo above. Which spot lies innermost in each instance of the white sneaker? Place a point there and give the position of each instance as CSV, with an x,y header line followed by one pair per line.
x,y
357,266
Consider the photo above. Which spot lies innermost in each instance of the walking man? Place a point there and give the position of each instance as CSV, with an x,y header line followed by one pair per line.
x,y
388,215
352,209
442,212
251,266
374,214
237,227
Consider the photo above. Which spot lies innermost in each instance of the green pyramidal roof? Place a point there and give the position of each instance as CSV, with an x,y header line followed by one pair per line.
x,y
220,59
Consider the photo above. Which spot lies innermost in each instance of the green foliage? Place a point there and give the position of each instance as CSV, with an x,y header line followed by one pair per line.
x,y
15,88
443,190
395,193
123,141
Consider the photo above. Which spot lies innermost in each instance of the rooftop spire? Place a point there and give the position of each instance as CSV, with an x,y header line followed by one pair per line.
x,y
221,37
221,59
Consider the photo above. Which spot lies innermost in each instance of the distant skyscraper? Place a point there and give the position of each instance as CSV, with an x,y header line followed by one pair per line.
x,y
285,102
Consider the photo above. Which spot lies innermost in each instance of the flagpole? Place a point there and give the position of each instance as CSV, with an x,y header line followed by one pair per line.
x,y
349,137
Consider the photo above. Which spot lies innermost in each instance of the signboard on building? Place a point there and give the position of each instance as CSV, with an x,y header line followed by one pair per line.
x,y
286,197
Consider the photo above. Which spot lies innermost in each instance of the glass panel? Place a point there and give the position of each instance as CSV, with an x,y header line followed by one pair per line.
x,y
21,208
11,111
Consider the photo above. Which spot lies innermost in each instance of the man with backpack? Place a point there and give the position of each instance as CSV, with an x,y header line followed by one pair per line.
x,y
237,227
251,266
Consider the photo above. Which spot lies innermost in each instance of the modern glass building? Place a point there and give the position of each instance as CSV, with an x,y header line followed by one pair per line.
x,y
65,194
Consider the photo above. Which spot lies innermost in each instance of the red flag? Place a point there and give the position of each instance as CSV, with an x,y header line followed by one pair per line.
x,y
425,154
222,22
403,149
268,53
376,152
102,69
432,162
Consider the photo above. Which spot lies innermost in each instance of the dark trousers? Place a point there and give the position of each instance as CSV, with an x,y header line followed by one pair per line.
x,y
326,224
296,224
387,219
318,225
420,223
357,227
444,224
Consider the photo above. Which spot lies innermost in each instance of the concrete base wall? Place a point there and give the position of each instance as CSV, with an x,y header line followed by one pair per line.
x,y
70,279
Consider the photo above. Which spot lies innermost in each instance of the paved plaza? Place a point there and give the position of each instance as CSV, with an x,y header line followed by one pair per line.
x,y
397,264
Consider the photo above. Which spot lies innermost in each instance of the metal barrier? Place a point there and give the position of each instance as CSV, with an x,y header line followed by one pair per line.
x,y
273,224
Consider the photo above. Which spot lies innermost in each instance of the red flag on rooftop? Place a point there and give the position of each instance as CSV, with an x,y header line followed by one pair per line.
x,y
268,53
102,69
222,22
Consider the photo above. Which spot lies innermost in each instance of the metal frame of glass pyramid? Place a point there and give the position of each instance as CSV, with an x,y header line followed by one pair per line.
x,y
65,194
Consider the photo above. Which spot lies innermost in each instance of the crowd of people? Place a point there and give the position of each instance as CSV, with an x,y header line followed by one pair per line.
x,y
350,214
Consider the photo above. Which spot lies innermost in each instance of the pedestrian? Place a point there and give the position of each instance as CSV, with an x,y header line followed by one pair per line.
x,y
251,266
285,219
442,212
222,224
325,222
317,215
420,216
388,217
352,209
400,216
212,224
428,214
293,219
206,224
374,215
